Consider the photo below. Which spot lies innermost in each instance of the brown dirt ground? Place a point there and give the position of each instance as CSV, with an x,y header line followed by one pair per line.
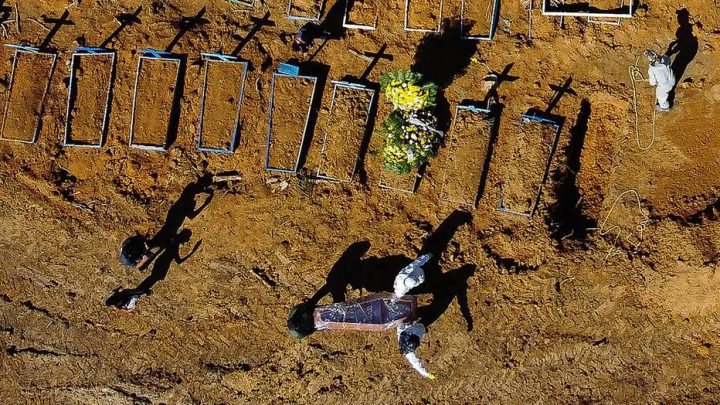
x,y
345,132
364,12
466,149
554,320
224,83
290,113
156,88
93,75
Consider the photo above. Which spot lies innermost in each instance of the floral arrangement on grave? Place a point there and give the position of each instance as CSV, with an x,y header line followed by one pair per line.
x,y
411,139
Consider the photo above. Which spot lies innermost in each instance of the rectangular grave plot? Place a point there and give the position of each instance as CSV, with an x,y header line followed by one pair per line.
x,y
423,15
305,10
534,146
467,148
153,102
361,14
478,18
290,108
346,131
30,79
91,80
592,8
405,183
223,90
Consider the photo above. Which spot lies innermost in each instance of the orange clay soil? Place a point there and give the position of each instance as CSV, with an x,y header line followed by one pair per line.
x,y
363,12
24,103
478,17
154,101
224,82
293,96
467,150
423,14
345,132
559,315
92,84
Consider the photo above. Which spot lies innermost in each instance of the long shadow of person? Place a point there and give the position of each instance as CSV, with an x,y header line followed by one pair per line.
x,y
170,254
127,298
372,274
185,207
444,287
685,46
376,274
332,24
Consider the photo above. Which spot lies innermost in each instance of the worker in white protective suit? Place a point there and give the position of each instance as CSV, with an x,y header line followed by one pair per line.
x,y
660,74
377,312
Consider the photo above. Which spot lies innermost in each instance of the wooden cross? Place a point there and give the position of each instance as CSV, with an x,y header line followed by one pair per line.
x,y
186,24
59,22
125,20
258,24
380,54
559,92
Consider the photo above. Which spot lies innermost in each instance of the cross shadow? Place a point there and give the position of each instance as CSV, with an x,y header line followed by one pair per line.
x,y
377,274
566,219
440,57
560,91
258,24
375,58
685,46
59,23
499,79
125,20
185,25
185,207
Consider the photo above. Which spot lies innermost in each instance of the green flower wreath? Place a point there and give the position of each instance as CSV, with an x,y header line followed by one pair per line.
x,y
410,140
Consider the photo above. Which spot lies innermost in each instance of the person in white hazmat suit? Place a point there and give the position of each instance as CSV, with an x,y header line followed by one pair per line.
x,y
376,312
660,74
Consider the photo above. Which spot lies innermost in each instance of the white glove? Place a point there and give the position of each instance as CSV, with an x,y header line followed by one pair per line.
x,y
411,276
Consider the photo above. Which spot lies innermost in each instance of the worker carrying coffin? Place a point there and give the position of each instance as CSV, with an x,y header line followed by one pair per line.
x,y
377,312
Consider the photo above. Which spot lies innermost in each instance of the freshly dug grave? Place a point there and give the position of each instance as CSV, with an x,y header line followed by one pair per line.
x,y
423,14
156,86
363,12
345,133
224,83
467,152
292,104
25,103
87,108
528,166
478,16
306,8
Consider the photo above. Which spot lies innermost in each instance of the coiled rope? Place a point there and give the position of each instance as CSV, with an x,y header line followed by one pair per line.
x,y
637,76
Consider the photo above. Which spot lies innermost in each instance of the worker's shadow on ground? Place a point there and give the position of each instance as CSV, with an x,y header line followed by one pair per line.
x,y
685,46
160,268
377,274
163,261
185,207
